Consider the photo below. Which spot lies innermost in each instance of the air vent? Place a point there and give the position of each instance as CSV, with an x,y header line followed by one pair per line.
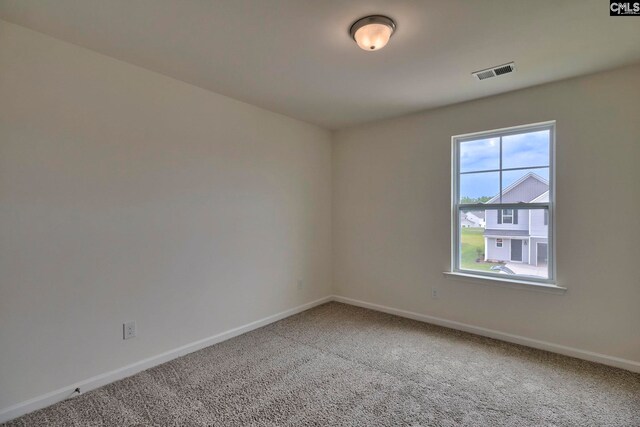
x,y
495,71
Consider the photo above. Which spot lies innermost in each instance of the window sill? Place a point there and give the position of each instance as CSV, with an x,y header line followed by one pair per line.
x,y
507,283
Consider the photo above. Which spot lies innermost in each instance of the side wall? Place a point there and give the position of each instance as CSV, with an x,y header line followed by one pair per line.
x,y
127,195
392,214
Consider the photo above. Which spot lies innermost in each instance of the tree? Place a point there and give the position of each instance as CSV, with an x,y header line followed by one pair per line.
x,y
469,200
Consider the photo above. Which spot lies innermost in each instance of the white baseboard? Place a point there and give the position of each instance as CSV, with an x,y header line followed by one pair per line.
x,y
616,362
55,396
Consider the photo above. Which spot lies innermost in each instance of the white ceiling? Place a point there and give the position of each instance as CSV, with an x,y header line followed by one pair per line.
x,y
295,56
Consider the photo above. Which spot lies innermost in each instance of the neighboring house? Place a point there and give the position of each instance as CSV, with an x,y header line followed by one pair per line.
x,y
465,223
476,218
519,235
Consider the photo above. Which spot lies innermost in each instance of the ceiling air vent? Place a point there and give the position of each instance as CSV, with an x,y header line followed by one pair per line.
x,y
495,71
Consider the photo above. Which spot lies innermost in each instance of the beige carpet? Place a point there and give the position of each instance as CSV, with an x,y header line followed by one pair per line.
x,y
337,365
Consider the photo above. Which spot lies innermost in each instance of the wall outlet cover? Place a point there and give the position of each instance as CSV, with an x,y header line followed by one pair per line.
x,y
129,330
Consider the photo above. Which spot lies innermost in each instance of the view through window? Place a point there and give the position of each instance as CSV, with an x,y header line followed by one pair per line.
x,y
503,203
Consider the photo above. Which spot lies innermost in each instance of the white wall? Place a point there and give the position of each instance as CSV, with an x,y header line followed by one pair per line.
x,y
127,195
392,214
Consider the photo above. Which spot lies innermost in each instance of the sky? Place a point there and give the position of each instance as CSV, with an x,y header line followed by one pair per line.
x,y
522,150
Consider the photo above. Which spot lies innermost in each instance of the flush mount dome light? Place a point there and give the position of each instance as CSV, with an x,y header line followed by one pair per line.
x,y
372,32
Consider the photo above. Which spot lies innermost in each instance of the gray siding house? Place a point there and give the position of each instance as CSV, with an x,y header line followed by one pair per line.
x,y
519,235
473,219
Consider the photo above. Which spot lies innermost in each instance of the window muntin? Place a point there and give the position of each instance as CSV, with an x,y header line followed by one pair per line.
x,y
505,177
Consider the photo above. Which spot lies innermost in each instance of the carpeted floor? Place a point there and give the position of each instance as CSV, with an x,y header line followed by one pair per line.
x,y
337,365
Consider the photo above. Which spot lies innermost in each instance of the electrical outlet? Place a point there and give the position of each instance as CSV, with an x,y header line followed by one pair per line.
x,y
434,293
300,284
129,330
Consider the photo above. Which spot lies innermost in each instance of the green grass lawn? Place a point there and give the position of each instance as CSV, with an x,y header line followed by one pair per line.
x,y
472,242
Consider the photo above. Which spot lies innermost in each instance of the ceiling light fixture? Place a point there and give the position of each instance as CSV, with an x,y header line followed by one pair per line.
x,y
372,32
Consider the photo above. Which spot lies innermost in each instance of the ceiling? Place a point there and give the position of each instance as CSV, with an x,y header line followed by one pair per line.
x,y
295,57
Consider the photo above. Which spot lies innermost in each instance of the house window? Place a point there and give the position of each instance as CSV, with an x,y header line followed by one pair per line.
x,y
506,216
506,178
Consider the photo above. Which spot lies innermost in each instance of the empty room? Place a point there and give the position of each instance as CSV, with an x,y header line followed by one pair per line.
x,y
319,213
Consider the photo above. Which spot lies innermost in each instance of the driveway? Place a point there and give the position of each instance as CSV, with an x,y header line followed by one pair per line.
x,y
529,270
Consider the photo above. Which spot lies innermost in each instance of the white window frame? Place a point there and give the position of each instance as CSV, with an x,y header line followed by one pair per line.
x,y
499,243
457,207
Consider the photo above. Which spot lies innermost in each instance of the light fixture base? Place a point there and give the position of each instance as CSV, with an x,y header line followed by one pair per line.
x,y
372,19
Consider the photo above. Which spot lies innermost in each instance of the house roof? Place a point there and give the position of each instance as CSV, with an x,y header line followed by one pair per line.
x,y
478,214
544,197
519,183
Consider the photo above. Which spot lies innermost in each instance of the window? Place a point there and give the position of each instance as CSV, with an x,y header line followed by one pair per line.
x,y
505,178
506,216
